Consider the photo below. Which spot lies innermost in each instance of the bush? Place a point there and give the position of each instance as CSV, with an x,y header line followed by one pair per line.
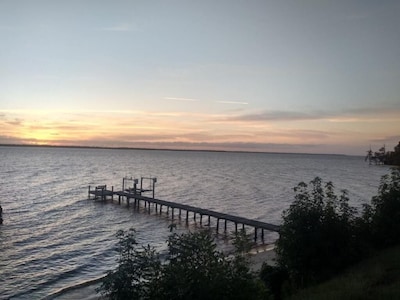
x,y
194,269
383,215
137,268
274,278
317,238
197,270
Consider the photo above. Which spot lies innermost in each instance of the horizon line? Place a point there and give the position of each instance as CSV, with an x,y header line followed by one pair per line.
x,y
164,149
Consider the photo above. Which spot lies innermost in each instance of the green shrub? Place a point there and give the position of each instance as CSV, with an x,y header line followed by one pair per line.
x,y
383,215
317,238
197,270
137,268
194,269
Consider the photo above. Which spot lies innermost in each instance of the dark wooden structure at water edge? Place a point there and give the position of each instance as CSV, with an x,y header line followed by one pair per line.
x,y
133,195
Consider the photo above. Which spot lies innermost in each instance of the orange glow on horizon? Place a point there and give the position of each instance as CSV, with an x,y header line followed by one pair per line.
x,y
189,131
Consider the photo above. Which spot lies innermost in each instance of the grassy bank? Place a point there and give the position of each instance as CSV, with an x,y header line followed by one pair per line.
x,y
375,278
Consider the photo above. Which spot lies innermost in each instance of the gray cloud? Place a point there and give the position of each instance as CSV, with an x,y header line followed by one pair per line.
x,y
315,115
280,116
16,122
386,139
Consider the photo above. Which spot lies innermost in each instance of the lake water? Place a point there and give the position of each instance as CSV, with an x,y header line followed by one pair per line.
x,y
53,237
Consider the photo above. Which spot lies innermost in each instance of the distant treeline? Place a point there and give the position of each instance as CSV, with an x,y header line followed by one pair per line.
x,y
393,157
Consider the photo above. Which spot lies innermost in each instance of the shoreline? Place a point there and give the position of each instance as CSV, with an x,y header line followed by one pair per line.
x,y
84,291
260,254
87,290
169,149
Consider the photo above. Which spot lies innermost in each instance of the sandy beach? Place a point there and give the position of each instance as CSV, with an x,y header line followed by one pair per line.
x,y
257,257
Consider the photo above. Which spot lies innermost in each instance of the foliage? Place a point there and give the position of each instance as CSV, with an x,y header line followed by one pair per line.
x,y
317,238
383,215
241,241
322,234
274,278
194,269
137,268
197,270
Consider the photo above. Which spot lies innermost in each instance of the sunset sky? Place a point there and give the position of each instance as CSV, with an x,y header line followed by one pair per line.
x,y
276,76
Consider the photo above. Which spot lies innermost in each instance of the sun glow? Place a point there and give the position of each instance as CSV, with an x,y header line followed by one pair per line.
x,y
41,136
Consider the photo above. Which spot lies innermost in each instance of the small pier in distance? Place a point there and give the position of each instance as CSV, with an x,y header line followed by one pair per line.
x,y
133,194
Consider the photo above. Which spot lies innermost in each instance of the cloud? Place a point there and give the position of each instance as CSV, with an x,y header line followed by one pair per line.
x,y
279,116
368,110
181,99
232,102
218,101
386,139
16,122
4,139
365,114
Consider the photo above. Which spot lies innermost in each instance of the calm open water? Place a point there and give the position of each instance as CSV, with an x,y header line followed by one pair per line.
x,y
54,238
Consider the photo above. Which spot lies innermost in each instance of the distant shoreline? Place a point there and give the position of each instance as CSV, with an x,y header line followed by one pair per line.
x,y
163,149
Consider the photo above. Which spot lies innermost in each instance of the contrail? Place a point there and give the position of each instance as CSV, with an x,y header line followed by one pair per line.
x,y
180,99
233,102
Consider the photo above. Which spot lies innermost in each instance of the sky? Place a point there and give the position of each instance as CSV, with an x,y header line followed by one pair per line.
x,y
273,76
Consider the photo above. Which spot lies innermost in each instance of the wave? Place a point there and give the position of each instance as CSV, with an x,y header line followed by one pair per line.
x,y
68,289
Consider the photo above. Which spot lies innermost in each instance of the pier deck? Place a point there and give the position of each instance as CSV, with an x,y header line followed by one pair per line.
x,y
135,195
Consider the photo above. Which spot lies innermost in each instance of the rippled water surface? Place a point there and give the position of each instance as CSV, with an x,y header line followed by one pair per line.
x,y
53,237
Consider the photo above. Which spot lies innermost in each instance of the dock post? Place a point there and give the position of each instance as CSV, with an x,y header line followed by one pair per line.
x,y
187,217
119,199
89,193
225,226
209,220
262,235
180,212
255,234
172,213
201,219
160,209
134,192
154,186
236,227
194,216
112,192
217,224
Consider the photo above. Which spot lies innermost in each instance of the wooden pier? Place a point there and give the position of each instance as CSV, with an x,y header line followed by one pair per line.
x,y
134,196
